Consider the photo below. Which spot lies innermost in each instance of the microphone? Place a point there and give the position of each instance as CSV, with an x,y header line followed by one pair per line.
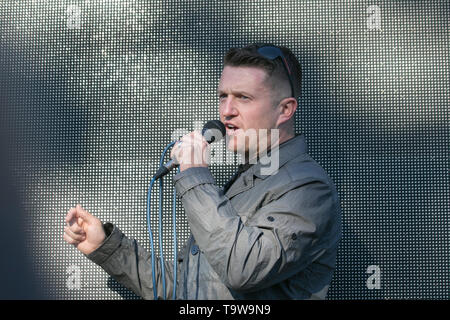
x,y
212,131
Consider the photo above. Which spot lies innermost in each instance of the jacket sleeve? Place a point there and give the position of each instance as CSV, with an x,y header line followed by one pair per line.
x,y
282,238
131,265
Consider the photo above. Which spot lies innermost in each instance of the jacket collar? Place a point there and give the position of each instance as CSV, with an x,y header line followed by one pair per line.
x,y
268,166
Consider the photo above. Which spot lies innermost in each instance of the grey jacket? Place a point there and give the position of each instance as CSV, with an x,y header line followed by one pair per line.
x,y
269,236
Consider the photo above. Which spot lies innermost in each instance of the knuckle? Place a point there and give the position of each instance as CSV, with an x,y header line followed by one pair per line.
x,y
68,238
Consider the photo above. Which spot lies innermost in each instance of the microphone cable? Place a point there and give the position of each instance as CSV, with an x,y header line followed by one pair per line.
x,y
155,294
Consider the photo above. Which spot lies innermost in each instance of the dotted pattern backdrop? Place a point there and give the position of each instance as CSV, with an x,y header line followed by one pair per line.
x,y
100,87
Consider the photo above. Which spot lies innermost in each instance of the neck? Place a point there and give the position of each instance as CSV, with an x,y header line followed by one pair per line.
x,y
254,158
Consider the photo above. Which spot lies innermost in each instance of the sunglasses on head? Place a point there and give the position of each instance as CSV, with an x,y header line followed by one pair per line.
x,y
272,53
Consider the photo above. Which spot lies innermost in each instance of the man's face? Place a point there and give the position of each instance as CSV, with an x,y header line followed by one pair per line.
x,y
245,102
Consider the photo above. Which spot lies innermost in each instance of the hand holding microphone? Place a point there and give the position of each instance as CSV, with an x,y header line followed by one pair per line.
x,y
193,149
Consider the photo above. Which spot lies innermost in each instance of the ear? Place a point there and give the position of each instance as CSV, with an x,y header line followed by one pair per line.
x,y
287,108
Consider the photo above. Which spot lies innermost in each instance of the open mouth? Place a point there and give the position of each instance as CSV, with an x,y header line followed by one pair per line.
x,y
231,129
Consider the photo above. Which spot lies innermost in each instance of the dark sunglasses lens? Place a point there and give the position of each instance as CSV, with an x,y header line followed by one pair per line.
x,y
270,52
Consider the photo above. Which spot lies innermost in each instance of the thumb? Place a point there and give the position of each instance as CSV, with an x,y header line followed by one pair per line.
x,y
83,214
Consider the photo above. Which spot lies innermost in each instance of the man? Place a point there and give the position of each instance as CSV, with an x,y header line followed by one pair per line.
x,y
268,234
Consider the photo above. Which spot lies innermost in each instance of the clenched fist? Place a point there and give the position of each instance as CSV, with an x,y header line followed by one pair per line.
x,y
191,151
83,230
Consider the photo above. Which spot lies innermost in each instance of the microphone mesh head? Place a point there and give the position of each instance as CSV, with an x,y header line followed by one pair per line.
x,y
213,131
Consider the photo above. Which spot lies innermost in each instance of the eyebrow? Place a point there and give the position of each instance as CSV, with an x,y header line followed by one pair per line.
x,y
235,93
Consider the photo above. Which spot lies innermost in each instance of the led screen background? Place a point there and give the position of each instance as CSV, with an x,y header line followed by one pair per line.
x,y
101,87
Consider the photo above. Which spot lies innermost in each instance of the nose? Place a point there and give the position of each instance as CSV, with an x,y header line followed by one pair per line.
x,y
228,108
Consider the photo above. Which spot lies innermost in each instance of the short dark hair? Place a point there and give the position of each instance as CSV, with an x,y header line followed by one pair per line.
x,y
249,57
